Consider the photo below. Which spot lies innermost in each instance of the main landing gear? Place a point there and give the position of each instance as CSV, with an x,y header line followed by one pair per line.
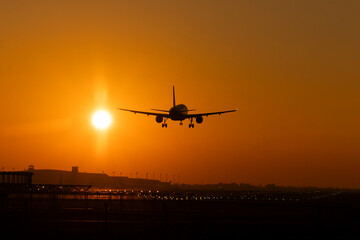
x,y
191,125
164,124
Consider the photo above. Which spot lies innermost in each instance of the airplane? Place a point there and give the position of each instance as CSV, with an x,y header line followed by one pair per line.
x,y
177,113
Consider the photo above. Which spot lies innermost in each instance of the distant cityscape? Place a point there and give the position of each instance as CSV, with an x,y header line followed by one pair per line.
x,y
98,180
102,180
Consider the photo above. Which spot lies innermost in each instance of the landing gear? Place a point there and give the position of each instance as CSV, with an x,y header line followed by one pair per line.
x,y
164,124
191,125
181,123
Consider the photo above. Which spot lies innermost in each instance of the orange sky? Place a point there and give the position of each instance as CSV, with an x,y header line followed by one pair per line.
x,y
290,67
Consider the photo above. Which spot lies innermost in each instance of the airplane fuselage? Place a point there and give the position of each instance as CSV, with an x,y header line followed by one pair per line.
x,y
178,112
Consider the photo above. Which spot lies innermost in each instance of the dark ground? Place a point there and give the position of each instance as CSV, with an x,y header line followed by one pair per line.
x,y
335,217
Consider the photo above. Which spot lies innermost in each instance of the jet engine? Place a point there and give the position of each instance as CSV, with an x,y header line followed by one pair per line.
x,y
159,119
199,119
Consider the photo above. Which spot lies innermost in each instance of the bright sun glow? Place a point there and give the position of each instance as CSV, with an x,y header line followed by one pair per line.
x,y
101,119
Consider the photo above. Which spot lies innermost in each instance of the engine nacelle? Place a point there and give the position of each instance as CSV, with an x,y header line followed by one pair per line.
x,y
199,119
159,119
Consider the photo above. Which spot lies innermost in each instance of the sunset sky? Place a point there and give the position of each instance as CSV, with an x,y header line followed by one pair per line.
x,y
292,68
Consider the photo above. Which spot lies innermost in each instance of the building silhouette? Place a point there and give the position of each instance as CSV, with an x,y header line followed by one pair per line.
x,y
101,180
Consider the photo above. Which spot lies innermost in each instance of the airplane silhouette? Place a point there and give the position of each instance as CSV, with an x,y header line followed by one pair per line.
x,y
177,113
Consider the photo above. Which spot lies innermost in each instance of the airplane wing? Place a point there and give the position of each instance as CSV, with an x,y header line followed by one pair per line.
x,y
147,113
160,110
207,114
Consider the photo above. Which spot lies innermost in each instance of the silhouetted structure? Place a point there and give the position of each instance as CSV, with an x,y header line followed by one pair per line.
x,y
21,177
75,169
102,180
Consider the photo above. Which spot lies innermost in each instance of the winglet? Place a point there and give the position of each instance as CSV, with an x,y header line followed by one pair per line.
x,y
174,96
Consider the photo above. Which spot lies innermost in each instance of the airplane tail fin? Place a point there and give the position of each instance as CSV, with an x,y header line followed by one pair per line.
x,y
174,96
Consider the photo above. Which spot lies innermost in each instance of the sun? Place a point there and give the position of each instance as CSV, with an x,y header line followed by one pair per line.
x,y
101,119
